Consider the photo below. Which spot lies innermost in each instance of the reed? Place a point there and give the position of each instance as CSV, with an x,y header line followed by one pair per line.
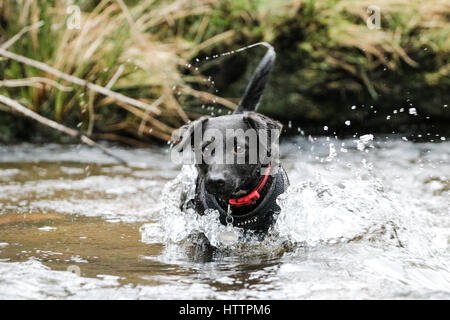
x,y
139,53
133,51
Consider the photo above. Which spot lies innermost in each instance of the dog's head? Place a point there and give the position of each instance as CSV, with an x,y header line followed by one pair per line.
x,y
230,151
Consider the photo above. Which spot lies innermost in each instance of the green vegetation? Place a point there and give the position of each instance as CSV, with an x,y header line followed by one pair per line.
x,y
328,61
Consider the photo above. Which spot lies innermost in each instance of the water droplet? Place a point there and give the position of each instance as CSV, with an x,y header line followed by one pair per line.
x,y
412,111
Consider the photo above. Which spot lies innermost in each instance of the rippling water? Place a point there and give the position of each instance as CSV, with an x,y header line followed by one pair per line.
x,y
363,218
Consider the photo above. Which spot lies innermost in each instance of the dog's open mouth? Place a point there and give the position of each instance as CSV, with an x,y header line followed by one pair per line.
x,y
239,193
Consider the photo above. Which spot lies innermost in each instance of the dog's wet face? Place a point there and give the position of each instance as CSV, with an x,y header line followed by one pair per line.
x,y
226,166
233,151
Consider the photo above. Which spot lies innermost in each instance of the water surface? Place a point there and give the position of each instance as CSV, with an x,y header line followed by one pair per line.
x,y
362,219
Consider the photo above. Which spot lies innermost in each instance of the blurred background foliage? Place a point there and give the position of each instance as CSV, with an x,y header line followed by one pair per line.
x,y
331,68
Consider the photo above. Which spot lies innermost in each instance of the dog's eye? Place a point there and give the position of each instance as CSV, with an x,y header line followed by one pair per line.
x,y
207,151
238,149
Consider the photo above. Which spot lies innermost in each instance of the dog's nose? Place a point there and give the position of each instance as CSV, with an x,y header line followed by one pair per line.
x,y
216,179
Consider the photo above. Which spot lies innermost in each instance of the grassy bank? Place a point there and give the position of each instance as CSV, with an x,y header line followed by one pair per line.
x,y
328,61
140,51
332,68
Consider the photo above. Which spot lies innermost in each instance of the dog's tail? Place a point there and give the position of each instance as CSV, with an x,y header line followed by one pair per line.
x,y
253,92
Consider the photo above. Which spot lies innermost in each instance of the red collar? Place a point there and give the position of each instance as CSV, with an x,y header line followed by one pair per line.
x,y
253,196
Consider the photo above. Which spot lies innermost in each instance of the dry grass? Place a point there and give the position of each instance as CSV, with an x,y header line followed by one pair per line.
x,y
128,50
141,49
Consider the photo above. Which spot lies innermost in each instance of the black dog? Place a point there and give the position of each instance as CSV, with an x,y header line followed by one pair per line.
x,y
244,192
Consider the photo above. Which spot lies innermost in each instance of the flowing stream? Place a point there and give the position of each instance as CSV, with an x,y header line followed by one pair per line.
x,y
364,218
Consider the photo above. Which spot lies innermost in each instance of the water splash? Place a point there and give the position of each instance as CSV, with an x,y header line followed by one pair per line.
x,y
370,223
178,221
315,212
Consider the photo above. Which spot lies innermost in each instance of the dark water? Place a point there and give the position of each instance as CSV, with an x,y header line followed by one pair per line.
x,y
365,219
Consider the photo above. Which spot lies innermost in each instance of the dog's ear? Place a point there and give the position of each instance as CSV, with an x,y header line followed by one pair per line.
x,y
258,121
186,133
253,92
268,132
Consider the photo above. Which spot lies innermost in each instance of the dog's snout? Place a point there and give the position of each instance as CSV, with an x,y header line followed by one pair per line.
x,y
219,184
217,179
